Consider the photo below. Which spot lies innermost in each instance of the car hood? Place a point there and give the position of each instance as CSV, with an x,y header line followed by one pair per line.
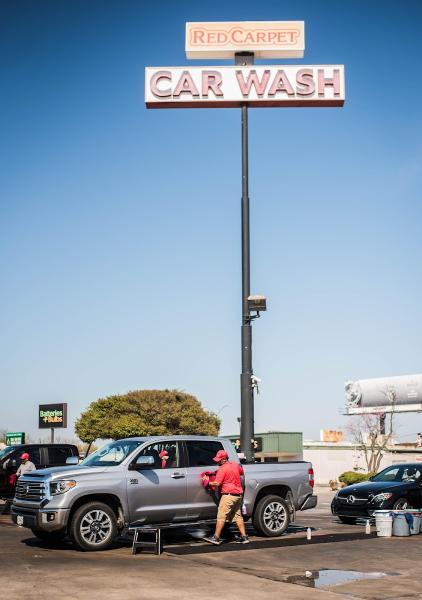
x,y
371,487
70,471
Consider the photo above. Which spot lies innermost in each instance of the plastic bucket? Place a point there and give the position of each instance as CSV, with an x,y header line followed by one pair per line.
x,y
415,528
384,523
401,527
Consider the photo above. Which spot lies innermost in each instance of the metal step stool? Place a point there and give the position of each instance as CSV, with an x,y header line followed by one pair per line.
x,y
144,544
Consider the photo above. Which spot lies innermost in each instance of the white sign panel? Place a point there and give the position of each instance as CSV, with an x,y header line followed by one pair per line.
x,y
224,87
266,39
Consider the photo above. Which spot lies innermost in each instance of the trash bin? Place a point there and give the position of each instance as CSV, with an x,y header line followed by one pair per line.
x,y
384,523
402,522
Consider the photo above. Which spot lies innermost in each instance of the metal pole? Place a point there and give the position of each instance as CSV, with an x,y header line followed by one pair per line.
x,y
246,389
247,400
52,435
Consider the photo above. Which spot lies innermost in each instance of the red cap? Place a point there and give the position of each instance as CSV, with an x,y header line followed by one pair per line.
x,y
221,455
25,456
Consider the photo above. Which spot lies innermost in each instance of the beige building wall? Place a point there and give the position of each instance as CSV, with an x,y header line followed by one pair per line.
x,y
332,460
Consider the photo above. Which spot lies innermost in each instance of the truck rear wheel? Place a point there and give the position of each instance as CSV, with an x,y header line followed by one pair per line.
x,y
272,516
93,527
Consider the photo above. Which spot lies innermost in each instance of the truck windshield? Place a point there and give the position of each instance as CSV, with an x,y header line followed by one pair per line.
x,y
6,451
111,454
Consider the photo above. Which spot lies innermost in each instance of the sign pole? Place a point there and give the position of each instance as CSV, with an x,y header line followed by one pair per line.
x,y
246,389
250,86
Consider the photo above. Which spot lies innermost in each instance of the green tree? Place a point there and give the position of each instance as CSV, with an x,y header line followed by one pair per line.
x,y
144,413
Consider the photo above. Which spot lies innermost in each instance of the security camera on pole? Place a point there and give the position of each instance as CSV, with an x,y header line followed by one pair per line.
x,y
241,86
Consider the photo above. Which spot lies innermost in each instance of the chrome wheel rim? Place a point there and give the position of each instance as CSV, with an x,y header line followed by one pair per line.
x,y
274,516
402,505
96,527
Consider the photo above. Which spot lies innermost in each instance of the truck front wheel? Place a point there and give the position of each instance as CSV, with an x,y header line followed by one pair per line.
x,y
93,527
272,516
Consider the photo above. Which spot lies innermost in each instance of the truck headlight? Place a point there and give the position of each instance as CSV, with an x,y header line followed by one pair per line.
x,y
61,486
381,497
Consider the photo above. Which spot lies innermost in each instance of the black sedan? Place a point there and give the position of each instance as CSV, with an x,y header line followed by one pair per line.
x,y
396,487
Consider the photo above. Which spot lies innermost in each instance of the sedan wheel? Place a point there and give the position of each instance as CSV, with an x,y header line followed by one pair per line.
x,y
402,504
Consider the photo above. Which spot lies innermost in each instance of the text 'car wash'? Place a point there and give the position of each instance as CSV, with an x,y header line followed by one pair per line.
x,y
321,85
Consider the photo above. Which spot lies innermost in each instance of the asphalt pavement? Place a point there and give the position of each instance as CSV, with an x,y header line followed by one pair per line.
x,y
290,567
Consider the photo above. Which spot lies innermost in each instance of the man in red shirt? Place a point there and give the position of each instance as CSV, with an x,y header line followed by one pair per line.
x,y
229,507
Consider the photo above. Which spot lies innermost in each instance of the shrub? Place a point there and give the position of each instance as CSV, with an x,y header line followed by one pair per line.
x,y
351,477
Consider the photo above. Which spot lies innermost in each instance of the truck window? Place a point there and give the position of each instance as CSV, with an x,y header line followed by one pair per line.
x,y
166,454
201,453
57,455
34,456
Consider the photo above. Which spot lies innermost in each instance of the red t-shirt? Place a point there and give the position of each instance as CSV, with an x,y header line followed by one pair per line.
x,y
228,478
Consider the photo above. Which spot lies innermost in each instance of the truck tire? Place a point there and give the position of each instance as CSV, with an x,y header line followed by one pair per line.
x,y
93,527
49,536
271,516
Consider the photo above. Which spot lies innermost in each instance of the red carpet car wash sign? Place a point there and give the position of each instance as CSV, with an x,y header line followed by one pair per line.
x,y
222,87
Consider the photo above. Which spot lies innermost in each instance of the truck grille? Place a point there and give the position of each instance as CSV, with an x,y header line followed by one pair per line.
x,y
33,491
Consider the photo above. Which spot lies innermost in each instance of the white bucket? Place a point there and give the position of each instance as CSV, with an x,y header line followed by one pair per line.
x,y
384,523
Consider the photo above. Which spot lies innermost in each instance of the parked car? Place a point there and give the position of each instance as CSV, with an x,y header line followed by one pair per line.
x,y
126,482
42,455
396,487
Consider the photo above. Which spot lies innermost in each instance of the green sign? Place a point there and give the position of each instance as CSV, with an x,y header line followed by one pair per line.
x,y
14,438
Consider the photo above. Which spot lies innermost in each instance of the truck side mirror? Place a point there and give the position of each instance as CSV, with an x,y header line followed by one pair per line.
x,y
143,462
72,460
12,463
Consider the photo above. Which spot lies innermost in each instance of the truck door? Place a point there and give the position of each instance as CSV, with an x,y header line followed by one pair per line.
x,y
158,494
202,504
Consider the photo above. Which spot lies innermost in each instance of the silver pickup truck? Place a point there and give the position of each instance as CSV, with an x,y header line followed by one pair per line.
x,y
128,482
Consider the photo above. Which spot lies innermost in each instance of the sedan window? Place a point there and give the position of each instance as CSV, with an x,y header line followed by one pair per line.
x,y
411,474
400,473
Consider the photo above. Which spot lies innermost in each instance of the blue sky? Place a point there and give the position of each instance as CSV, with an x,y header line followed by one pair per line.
x,y
120,226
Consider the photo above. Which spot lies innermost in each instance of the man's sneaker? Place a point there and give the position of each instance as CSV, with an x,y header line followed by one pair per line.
x,y
212,539
242,539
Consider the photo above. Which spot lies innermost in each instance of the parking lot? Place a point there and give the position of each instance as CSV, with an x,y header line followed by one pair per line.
x,y
189,568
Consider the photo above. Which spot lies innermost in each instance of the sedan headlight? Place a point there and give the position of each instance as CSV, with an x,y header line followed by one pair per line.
x,y
61,486
381,497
